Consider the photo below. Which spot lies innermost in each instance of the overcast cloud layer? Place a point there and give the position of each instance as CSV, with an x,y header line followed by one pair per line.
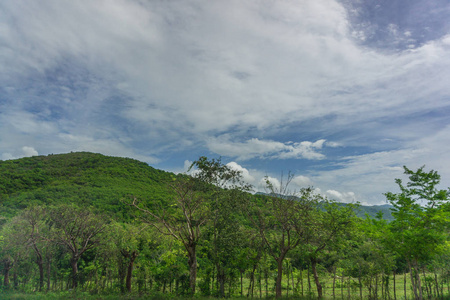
x,y
342,93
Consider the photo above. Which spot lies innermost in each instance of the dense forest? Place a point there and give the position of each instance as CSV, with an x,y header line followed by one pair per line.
x,y
99,225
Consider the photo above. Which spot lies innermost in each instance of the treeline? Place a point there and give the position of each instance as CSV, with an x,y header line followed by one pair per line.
x,y
210,236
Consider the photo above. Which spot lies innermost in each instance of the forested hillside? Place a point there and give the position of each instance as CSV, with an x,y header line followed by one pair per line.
x,y
81,178
109,225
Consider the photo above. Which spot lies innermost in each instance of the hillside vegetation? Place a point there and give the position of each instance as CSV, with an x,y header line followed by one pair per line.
x,y
103,225
91,179
82,178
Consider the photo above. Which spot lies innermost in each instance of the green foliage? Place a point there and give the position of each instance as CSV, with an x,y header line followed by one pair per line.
x,y
83,178
240,239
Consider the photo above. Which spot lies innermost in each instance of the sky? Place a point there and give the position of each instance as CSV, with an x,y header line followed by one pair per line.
x,y
342,94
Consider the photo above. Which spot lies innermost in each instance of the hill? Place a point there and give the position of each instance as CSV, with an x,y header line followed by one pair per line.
x,y
83,178
93,180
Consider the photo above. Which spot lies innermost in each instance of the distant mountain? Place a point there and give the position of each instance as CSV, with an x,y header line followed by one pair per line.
x,y
364,210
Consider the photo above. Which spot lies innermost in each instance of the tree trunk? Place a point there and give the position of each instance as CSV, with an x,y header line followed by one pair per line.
x,y
132,257
279,277
40,264
192,261
49,272
241,282
427,287
360,286
74,264
316,277
419,284
221,280
413,281
437,285
6,268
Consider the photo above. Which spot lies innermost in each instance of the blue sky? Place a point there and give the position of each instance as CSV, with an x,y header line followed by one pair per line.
x,y
341,93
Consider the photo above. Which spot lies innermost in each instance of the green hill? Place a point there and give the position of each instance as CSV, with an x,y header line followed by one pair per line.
x,y
83,178
91,179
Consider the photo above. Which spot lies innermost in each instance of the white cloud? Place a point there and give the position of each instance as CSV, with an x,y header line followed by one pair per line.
x,y
29,151
25,151
346,197
7,156
256,148
301,181
244,172
139,79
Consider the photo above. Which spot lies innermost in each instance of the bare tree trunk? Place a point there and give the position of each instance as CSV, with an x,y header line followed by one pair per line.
x,y
40,264
413,281
437,285
192,261
316,277
6,268
74,264
49,269
419,284
132,258
241,282
427,288
279,277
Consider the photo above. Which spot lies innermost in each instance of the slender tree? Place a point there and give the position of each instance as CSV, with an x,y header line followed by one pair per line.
x,y
184,222
331,224
285,220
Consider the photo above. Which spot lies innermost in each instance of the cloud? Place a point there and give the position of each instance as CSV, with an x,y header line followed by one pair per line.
x,y
266,149
26,151
301,181
244,172
29,151
155,80
347,197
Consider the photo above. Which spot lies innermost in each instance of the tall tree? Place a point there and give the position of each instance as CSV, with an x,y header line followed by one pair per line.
x,y
184,220
285,220
225,188
420,215
78,230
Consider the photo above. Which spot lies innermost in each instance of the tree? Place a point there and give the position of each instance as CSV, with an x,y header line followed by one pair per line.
x,y
189,213
32,223
13,248
330,225
285,220
226,190
420,216
78,230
